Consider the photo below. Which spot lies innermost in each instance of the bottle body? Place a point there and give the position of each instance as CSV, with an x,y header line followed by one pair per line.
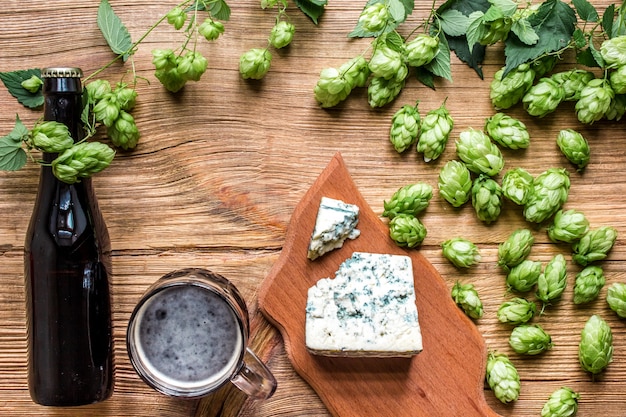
x,y
67,264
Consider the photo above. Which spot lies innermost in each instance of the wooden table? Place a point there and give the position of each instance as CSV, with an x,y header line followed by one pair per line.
x,y
221,166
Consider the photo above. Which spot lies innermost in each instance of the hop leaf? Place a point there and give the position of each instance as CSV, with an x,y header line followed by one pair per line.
x,y
562,403
461,252
528,339
502,377
411,199
595,350
455,183
467,298
81,161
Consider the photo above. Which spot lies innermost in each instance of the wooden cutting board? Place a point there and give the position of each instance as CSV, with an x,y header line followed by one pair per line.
x,y
446,379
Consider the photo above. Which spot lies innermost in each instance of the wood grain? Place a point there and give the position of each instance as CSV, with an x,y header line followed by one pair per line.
x,y
222,165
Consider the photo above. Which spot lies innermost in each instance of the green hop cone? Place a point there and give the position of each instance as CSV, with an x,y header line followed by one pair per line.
x,y
553,281
616,298
356,71
81,161
595,101
461,252
481,155
331,88
455,183
407,230
166,70
281,34
192,65
385,62
549,192
516,185
176,17
563,402
126,97
495,30
523,276
381,92
595,350
568,226
594,245
211,29
375,17
466,297
434,134
405,125
506,91
507,131
543,98
543,65
613,51
97,90
51,137
411,199
530,339
107,109
32,84
486,198
421,50
574,146
588,284
573,82
515,248
617,80
617,109
255,63
502,377
516,311
124,132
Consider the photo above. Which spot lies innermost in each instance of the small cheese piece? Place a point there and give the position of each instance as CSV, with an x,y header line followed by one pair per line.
x,y
336,221
368,309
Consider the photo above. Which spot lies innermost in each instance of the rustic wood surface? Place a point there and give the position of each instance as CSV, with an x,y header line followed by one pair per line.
x,y
222,165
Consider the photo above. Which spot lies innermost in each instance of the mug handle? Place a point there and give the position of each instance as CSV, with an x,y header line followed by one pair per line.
x,y
254,378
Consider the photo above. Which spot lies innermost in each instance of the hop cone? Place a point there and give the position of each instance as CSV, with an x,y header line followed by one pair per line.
x,y
385,62
192,65
506,91
381,92
331,88
574,146
486,198
549,192
81,161
588,284
211,29
529,339
595,350
543,98
594,245
466,297
573,82
568,226
496,30
481,155
405,125
281,34
356,71
107,109
553,281
126,97
411,199
562,403
617,80
595,101
516,185
617,109
613,51
124,133
51,137
543,65
455,183
97,90
502,377
516,311
421,50
255,63
461,252
507,131
523,276
374,17
435,131
166,71
616,298
32,84
515,248
407,230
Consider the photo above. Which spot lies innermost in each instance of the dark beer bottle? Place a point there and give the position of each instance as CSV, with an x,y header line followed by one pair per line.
x,y
67,263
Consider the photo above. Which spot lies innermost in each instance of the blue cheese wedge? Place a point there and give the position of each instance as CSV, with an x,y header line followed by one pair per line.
x,y
336,221
368,309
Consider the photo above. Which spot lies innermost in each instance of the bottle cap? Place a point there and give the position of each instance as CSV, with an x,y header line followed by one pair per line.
x,y
61,72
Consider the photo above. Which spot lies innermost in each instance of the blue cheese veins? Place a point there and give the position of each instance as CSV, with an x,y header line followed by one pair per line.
x,y
368,309
336,221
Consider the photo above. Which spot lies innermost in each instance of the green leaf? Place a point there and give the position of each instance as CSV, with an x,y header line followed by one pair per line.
x,y
113,30
313,9
476,29
607,19
453,22
506,7
586,58
585,10
492,14
554,23
525,32
219,9
13,82
19,132
12,155
425,77
440,65
397,11
619,25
